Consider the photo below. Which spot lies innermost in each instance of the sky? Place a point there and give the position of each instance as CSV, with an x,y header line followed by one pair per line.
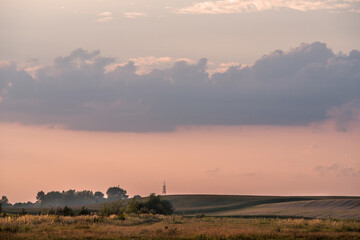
x,y
219,97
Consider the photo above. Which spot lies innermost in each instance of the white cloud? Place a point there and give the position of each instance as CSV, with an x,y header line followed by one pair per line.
x,y
223,67
145,65
243,6
5,63
105,14
104,17
134,14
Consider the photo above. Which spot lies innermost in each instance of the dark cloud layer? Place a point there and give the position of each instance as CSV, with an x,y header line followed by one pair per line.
x,y
300,86
336,169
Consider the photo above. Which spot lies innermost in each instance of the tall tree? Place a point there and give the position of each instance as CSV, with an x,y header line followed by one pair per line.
x,y
116,193
4,200
40,197
99,195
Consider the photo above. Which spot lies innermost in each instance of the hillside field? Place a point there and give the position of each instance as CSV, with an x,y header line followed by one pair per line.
x,y
238,205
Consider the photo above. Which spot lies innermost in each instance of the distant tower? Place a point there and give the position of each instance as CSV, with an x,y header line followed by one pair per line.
x,y
164,189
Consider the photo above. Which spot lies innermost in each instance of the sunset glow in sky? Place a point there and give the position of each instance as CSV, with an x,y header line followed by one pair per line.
x,y
219,97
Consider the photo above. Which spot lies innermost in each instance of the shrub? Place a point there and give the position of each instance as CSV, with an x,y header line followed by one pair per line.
x,y
108,209
84,211
52,211
157,206
133,206
153,205
66,211
121,215
22,212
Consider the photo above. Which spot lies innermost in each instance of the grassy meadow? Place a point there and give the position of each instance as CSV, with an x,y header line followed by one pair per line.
x,y
174,227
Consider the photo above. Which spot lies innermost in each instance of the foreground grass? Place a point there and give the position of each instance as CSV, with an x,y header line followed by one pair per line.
x,y
174,227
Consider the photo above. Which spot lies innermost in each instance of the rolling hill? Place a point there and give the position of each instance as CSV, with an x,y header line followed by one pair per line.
x,y
240,205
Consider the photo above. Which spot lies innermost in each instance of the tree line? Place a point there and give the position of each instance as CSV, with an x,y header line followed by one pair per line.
x,y
68,198
149,205
153,204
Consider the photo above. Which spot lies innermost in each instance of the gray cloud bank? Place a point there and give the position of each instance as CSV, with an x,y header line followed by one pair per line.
x,y
337,169
303,85
240,6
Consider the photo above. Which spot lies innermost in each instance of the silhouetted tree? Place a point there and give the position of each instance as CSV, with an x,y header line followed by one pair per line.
x,y
54,197
85,195
24,204
69,196
40,197
74,198
99,196
116,193
4,200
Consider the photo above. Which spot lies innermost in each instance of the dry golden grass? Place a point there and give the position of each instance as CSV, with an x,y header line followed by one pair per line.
x,y
174,227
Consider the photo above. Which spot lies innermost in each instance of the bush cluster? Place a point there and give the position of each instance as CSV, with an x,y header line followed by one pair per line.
x,y
153,204
112,208
66,211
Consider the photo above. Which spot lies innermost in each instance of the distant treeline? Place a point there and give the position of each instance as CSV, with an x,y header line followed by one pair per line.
x,y
69,198
149,205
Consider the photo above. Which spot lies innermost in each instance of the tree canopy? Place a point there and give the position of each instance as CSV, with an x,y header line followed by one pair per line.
x,y
69,198
116,193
